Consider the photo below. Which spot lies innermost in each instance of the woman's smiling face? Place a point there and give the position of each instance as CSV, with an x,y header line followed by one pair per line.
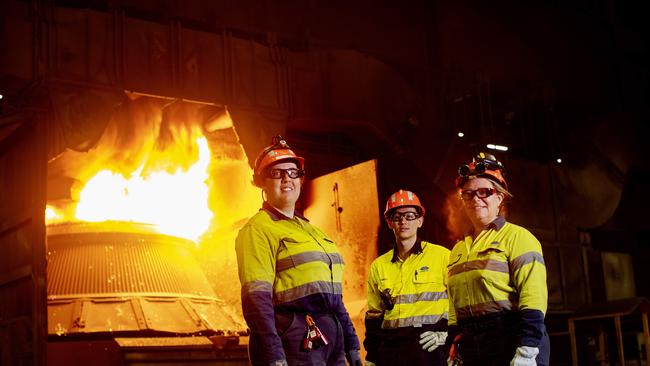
x,y
481,211
283,192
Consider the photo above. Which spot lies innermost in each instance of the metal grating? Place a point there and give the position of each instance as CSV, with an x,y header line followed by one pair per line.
x,y
113,263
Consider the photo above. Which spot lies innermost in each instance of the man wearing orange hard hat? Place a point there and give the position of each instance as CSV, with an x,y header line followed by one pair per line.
x,y
406,321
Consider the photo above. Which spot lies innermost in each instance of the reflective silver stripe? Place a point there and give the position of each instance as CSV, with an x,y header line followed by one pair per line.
x,y
526,258
413,321
484,264
483,309
257,286
307,289
306,257
424,296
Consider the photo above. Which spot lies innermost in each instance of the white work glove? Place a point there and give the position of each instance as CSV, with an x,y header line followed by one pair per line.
x,y
525,356
369,363
431,340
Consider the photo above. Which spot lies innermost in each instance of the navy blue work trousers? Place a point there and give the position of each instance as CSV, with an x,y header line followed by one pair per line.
x,y
402,346
291,328
492,341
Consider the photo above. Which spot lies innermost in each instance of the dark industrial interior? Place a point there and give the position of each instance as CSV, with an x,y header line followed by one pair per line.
x,y
416,87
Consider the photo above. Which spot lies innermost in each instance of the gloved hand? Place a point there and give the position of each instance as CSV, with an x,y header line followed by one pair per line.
x,y
354,357
369,363
431,340
525,356
279,363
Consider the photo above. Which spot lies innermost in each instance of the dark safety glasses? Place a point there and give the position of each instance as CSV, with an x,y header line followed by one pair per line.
x,y
409,216
292,173
468,194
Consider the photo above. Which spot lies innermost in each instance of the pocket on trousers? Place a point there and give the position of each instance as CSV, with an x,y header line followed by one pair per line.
x,y
284,321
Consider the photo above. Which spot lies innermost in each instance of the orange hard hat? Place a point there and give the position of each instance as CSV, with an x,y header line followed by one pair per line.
x,y
403,198
484,165
278,151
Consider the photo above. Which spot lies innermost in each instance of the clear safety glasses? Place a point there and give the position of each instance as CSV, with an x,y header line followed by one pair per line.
x,y
292,173
408,216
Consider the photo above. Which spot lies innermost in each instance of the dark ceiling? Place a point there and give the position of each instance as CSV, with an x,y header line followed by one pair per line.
x,y
540,77
548,79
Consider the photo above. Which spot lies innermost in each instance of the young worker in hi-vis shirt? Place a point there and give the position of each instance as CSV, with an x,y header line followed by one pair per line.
x,y
406,321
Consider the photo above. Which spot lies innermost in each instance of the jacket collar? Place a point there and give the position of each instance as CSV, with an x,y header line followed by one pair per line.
x,y
277,215
416,249
497,223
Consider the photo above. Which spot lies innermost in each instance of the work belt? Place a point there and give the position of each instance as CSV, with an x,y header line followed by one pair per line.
x,y
490,322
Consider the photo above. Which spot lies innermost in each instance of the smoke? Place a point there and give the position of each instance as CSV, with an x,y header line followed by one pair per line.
x,y
151,133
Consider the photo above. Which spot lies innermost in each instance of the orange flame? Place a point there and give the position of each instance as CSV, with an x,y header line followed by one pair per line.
x,y
52,214
156,164
177,203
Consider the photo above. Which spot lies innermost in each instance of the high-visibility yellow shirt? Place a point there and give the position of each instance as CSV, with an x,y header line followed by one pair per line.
x,y
417,287
288,265
502,269
289,257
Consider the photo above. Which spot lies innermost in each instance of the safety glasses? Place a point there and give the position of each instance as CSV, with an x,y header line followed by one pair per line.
x,y
468,194
408,216
292,173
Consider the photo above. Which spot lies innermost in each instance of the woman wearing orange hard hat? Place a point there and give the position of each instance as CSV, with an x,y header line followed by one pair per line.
x,y
406,320
497,278
291,274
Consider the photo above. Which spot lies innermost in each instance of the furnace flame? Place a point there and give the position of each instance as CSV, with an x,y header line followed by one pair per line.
x,y
176,203
157,164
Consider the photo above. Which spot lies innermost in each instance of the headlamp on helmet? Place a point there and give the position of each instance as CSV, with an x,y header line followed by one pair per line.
x,y
483,165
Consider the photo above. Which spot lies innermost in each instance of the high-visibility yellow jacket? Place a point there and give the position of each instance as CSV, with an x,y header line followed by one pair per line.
x,y
501,270
417,287
286,264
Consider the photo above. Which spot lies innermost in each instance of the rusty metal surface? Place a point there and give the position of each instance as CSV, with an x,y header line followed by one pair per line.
x,y
84,352
125,278
22,238
344,205
111,49
132,314
97,262
213,351
97,54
